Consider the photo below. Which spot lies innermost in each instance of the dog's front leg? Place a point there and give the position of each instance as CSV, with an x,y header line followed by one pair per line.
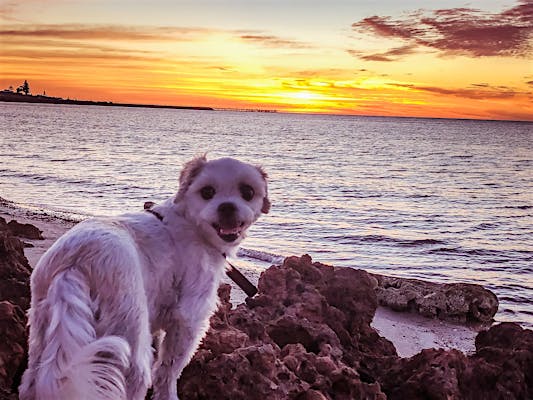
x,y
175,352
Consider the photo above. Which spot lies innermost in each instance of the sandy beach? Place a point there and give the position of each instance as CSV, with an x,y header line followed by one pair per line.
x,y
409,332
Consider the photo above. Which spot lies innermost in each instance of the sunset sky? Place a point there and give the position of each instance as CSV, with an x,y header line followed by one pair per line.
x,y
457,58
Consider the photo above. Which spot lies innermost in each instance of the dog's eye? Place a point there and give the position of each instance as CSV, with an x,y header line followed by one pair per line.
x,y
247,192
207,192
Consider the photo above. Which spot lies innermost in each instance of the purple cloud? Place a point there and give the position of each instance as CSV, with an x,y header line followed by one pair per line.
x,y
476,92
458,31
389,55
99,32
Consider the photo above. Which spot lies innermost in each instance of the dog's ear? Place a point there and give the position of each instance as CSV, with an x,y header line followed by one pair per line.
x,y
266,202
266,205
190,171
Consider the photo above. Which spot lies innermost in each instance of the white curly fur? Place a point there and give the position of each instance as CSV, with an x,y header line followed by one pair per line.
x,y
106,287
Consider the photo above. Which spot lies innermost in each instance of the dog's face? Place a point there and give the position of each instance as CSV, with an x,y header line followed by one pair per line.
x,y
223,198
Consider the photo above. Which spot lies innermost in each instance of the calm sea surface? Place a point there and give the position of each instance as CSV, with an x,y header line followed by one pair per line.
x,y
442,200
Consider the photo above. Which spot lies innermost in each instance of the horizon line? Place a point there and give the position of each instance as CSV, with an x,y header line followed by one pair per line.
x,y
72,102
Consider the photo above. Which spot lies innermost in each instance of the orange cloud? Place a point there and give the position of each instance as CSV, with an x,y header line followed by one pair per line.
x,y
478,92
102,32
390,55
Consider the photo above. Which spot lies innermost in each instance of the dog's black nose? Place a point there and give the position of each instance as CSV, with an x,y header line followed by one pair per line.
x,y
226,209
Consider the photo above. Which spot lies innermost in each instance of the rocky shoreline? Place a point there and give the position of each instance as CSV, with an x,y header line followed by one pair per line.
x,y
309,334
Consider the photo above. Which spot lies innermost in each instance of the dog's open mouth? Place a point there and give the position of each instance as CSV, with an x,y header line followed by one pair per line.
x,y
229,234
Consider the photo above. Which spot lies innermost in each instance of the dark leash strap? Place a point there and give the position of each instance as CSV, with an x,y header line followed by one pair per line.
x,y
234,274
240,280
148,208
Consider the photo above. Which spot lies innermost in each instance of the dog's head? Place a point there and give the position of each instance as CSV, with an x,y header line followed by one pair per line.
x,y
223,198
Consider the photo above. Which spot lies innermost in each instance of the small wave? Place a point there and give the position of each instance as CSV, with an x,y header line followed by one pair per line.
x,y
456,251
495,255
351,194
522,207
487,225
516,299
355,239
462,156
86,183
419,196
261,256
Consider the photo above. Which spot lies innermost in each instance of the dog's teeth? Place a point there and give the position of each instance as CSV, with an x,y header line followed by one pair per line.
x,y
229,231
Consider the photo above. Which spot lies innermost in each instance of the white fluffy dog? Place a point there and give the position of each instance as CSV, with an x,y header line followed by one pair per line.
x,y
105,287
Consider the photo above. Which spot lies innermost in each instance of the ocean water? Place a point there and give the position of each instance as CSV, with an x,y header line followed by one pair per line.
x,y
441,200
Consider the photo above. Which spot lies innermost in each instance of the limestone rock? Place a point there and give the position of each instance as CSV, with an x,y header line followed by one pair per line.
x,y
13,346
27,231
306,335
502,368
452,301
14,300
15,271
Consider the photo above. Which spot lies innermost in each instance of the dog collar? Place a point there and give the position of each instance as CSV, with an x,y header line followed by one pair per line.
x,y
155,213
236,276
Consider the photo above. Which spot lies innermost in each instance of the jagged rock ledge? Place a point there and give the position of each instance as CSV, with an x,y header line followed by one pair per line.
x,y
307,336
460,302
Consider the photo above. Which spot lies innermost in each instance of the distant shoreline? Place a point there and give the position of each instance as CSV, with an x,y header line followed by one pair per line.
x,y
11,97
28,98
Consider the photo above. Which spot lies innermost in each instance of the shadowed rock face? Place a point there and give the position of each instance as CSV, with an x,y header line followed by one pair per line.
x,y
449,301
27,231
502,368
14,270
13,347
307,335
14,300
